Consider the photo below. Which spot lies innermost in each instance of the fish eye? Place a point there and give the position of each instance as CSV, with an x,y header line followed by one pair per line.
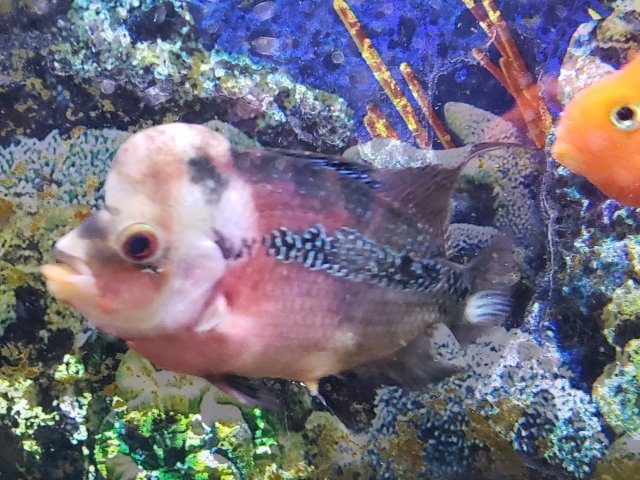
x,y
626,117
139,243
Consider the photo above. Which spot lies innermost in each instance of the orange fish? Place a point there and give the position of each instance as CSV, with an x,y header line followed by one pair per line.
x,y
598,135
216,262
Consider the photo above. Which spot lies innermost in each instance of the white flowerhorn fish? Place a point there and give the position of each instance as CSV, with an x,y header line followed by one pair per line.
x,y
216,262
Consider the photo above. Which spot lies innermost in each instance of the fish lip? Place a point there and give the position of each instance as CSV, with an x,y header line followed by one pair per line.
x,y
69,278
76,264
565,154
211,313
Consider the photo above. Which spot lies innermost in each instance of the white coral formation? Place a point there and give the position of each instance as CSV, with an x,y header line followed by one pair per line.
x,y
57,171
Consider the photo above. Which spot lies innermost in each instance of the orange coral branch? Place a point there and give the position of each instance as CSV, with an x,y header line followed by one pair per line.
x,y
513,73
421,96
377,125
528,105
381,72
506,40
491,67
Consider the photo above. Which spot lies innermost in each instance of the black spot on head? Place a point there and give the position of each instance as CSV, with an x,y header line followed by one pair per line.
x,y
203,172
225,245
93,228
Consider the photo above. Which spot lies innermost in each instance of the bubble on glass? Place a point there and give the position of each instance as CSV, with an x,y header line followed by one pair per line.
x,y
268,46
337,56
264,10
107,86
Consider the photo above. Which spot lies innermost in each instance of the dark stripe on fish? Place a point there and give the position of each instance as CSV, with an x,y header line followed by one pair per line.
x,y
356,185
326,179
351,255
362,173
203,172
229,251
295,160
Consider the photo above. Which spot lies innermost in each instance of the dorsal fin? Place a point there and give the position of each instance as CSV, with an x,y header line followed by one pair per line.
x,y
398,208
425,192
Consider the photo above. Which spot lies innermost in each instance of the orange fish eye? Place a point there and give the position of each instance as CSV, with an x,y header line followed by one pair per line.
x,y
139,243
626,117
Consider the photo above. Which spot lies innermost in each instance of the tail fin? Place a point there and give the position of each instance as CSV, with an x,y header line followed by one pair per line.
x,y
492,275
487,308
496,266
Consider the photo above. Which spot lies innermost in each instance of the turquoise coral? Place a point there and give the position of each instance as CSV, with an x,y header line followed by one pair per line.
x,y
513,383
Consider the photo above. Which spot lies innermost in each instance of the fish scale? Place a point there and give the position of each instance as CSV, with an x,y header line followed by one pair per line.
x,y
352,255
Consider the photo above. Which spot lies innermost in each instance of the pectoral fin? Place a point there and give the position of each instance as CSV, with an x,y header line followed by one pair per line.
x,y
248,391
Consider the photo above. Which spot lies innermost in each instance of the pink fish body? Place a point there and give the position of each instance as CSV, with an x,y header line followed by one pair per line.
x,y
216,262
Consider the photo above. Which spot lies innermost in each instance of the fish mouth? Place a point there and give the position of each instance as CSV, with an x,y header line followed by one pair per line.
x,y
69,279
566,155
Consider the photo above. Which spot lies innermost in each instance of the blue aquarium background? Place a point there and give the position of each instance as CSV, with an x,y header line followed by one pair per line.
x,y
553,395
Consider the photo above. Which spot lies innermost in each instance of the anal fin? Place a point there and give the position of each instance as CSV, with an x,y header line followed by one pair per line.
x,y
430,358
411,367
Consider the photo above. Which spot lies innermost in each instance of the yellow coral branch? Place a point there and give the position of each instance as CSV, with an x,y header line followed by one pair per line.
x,y
486,24
377,125
381,72
421,97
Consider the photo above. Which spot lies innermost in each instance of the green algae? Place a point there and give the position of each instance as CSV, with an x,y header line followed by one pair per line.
x,y
19,400
617,391
623,309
